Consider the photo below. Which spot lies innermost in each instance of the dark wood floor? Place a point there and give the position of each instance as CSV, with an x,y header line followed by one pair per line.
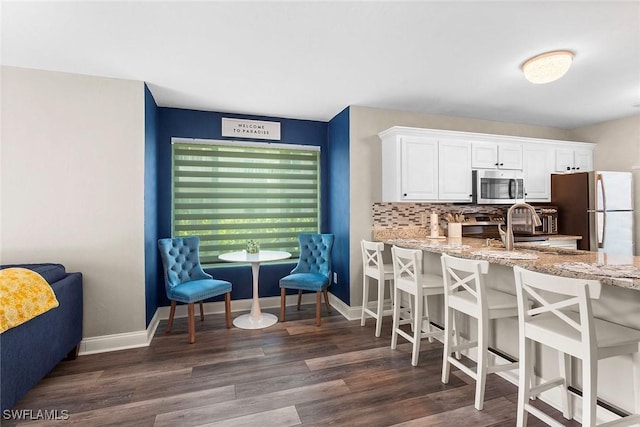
x,y
290,374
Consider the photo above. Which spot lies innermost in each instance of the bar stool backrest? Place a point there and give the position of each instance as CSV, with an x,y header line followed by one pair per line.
x,y
407,266
462,275
372,258
556,300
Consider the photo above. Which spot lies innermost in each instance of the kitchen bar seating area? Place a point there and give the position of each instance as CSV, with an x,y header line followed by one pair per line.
x,y
549,264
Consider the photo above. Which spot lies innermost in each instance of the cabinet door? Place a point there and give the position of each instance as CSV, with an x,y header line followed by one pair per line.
x,y
583,160
454,178
419,169
510,156
564,159
537,168
484,155
488,155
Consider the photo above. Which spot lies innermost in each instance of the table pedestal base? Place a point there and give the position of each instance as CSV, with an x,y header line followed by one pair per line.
x,y
247,321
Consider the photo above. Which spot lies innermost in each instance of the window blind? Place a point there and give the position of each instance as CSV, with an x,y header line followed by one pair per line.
x,y
228,194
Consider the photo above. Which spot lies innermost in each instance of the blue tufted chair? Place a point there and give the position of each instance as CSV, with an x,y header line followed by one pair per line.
x,y
186,281
313,272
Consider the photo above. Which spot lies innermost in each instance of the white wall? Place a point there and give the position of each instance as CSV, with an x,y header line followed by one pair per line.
x,y
72,187
366,164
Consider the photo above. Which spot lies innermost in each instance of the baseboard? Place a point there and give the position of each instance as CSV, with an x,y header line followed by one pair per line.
x,y
114,342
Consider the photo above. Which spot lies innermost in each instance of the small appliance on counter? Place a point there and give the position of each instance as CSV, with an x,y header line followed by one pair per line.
x,y
523,223
485,226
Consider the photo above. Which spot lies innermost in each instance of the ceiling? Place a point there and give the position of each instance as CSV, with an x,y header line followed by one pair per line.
x,y
311,59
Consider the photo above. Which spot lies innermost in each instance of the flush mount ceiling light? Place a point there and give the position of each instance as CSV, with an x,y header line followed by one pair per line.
x,y
547,67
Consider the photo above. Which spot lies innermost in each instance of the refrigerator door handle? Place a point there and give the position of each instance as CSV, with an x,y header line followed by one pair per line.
x,y
601,218
601,193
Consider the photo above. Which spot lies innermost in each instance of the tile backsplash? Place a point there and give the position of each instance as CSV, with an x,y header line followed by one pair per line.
x,y
400,215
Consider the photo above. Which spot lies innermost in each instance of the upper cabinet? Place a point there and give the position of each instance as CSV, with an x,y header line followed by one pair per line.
x,y
454,171
436,165
574,159
491,155
424,168
537,169
418,169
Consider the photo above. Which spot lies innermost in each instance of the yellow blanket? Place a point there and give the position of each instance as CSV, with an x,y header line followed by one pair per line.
x,y
24,294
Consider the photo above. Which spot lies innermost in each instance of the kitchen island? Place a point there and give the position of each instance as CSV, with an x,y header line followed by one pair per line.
x,y
619,303
611,269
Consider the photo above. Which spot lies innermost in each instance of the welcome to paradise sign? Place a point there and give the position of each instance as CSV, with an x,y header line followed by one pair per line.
x,y
256,129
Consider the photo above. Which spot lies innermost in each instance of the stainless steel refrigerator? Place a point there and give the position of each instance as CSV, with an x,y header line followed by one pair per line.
x,y
598,206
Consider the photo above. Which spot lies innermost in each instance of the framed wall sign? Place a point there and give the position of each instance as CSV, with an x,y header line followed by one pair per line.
x,y
254,129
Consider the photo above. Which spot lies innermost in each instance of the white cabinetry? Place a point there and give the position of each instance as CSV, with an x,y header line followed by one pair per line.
x,y
436,165
418,166
489,155
454,177
570,159
537,168
418,169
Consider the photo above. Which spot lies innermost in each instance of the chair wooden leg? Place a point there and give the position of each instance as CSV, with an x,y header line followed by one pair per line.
x,y
396,317
201,312
565,370
365,298
283,302
227,308
417,328
318,307
171,314
191,323
379,307
446,351
481,368
299,298
326,300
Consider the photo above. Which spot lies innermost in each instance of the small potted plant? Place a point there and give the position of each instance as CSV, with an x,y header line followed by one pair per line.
x,y
253,246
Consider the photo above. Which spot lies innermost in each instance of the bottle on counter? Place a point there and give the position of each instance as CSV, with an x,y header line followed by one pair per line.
x,y
434,225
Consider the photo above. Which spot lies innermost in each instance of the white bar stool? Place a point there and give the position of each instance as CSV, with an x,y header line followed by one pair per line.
x,y
409,279
465,292
561,318
374,268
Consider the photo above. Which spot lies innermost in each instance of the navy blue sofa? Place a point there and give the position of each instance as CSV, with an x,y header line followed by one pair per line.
x,y
31,350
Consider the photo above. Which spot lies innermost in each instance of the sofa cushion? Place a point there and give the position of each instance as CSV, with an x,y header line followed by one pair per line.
x,y
50,272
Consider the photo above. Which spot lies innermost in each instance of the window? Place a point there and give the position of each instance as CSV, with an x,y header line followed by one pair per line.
x,y
230,192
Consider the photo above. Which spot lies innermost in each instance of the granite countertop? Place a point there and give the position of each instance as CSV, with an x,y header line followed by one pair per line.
x,y
611,269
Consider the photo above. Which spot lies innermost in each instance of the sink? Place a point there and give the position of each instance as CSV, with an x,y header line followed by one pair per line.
x,y
505,254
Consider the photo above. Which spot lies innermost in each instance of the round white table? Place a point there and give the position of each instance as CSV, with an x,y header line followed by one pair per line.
x,y
256,319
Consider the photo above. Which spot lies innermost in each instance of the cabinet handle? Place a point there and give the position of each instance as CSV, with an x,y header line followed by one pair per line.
x,y
405,194
495,164
578,168
568,168
501,164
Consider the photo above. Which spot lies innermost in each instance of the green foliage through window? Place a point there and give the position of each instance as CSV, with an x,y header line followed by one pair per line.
x,y
228,194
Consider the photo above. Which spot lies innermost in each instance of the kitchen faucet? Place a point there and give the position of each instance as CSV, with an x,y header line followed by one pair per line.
x,y
508,235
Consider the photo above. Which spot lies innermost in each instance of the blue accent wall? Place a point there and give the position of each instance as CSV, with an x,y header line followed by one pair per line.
x,y
182,123
338,141
151,258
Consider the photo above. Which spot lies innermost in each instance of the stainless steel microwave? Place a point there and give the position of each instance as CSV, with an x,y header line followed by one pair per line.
x,y
497,186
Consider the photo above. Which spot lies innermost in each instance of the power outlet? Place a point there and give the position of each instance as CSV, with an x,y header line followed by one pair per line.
x,y
335,278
